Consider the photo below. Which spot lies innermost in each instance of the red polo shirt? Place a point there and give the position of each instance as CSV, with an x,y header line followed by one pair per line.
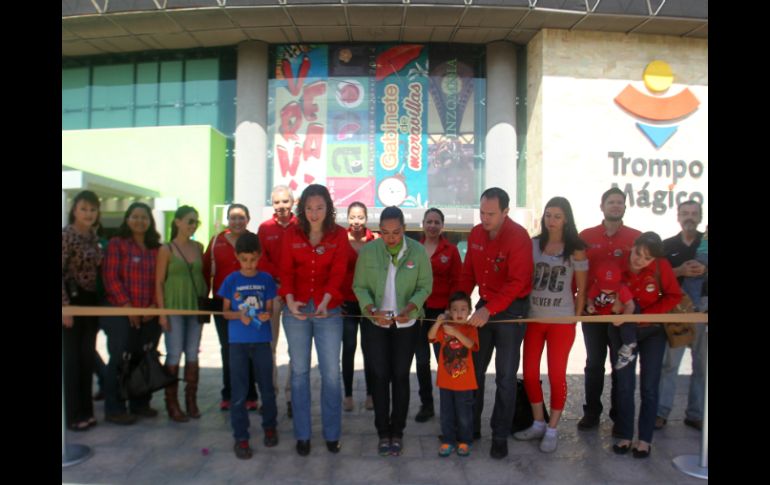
x,y
347,284
601,247
648,294
225,260
502,267
447,266
270,236
309,272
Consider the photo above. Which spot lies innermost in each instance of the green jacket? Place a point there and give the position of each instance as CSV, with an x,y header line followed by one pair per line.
x,y
414,275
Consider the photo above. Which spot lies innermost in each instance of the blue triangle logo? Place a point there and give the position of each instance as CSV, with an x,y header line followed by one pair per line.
x,y
658,135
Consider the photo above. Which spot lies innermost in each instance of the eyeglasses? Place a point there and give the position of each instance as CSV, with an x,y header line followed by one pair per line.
x,y
193,222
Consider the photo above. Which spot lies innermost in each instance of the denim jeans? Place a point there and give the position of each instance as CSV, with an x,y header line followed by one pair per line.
x,y
327,333
505,339
422,356
224,347
121,337
185,335
651,342
456,416
671,360
258,358
390,355
597,340
349,341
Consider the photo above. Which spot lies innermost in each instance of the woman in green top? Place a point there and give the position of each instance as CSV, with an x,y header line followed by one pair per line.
x,y
178,284
393,279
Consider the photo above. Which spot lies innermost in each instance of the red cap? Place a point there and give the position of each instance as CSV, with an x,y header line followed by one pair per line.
x,y
608,276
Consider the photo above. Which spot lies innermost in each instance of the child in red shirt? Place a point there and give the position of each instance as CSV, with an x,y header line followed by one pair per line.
x,y
608,295
456,378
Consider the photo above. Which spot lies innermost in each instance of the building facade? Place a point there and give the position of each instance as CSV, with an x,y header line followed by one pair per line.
x,y
390,102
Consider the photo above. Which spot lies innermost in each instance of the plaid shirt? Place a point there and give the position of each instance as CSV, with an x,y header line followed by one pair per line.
x,y
129,273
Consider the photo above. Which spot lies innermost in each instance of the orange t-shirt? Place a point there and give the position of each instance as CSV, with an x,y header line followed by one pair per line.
x,y
455,369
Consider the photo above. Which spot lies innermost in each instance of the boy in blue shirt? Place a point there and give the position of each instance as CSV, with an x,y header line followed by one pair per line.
x,y
248,303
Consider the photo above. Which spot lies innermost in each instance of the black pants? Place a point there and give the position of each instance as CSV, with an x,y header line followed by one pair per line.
x,y
390,355
597,341
349,340
224,346
79,348
422,356
121,337
505,339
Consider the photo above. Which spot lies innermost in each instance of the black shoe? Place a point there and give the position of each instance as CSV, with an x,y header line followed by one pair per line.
x,y
303,447
641,454
499,449
271,437
242,450
588,421
288,409
694,423
660,422
123,418
333,446
147,412
621,450
426,412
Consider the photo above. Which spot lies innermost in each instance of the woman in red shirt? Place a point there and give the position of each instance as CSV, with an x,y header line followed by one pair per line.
x,y
651,280
129,282
358,235
314,260
219,261
447,266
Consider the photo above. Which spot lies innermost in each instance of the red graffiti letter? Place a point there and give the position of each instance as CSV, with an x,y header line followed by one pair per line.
x,y
283,160
291,121
309,108
313,141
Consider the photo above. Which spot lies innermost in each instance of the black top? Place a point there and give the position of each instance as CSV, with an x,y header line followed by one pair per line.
x,y
677,252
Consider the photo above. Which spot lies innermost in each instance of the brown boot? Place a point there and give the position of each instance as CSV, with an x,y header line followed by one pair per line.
x,y
172,403
191,372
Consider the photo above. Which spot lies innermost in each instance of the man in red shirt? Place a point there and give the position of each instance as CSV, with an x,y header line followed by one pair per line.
x,y
609,242
270,235
499,261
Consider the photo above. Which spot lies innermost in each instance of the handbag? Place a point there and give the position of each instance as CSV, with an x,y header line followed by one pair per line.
x,y
137,378
679,334
204,302
522,413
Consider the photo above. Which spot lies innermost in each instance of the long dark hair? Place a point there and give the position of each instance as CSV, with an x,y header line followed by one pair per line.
x,y
91,198
178,216
572,241
310,191
151,237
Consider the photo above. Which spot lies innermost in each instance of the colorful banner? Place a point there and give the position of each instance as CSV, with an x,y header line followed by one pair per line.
x,y
298,95
369,122
401,125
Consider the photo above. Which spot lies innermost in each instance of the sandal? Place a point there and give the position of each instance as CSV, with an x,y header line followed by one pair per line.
x,y
79,426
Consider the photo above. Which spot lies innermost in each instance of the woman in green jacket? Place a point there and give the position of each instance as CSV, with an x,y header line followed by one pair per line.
x,y
392,281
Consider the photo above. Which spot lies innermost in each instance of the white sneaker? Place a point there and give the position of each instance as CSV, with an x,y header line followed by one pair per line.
x,y
530,433
549,442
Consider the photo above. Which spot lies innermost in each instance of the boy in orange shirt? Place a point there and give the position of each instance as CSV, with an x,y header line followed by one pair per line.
x,y
456,377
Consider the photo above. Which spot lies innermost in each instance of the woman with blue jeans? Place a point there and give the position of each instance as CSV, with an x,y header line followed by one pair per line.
x,y
313,265
652,282
178,284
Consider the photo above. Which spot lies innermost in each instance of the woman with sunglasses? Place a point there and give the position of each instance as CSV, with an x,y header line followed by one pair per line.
x,y
218,262
178,284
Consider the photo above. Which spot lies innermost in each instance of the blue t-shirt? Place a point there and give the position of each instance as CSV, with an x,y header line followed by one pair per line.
x,y
248,295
